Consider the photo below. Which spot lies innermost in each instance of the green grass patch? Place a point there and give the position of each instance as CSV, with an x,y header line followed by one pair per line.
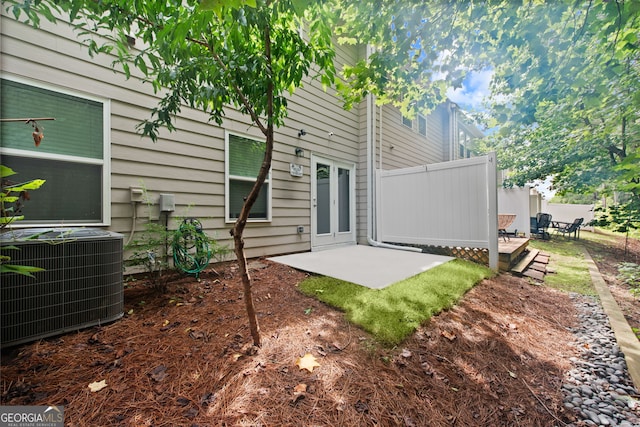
x,y
393,313
567,262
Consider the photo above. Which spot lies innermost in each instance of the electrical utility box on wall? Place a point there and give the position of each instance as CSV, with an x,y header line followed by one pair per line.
x,y
80,286
167,203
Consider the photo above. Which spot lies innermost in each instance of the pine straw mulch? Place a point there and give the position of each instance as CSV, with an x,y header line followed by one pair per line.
x,y
183,357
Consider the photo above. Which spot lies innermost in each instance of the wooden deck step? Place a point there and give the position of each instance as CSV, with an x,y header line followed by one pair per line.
x,y
534,274
522,265
542,257
538,266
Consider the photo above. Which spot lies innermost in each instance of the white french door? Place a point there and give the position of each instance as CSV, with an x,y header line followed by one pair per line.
x,y
332,203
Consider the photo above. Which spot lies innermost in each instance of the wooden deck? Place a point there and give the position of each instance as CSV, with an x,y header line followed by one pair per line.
x,y
510,252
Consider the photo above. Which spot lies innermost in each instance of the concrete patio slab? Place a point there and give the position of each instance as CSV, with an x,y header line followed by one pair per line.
x,y
369,266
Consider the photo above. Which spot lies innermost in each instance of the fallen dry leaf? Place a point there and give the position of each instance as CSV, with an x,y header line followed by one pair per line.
x,y
159,373
337,346
448,335
97,386
298,393
196,335
307,362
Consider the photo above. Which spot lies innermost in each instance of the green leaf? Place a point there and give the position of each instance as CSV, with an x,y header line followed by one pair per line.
x,y
299,6
24,270
6,171
29,185
10,219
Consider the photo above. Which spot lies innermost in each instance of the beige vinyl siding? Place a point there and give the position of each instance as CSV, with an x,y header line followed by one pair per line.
x,y
404,147
188,163
401,147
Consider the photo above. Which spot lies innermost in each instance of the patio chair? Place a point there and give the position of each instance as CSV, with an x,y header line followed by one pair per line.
x,y
539,225
504,222
568,228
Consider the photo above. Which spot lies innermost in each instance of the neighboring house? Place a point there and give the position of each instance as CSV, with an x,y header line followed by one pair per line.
x,y
315,197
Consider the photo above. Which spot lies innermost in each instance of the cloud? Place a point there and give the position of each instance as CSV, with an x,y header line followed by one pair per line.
x,y
475,88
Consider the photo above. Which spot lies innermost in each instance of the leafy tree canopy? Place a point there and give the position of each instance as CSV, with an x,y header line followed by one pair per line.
x,y
566,72
208,54
566,93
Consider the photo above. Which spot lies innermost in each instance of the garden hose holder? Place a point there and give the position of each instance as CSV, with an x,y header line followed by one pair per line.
x,y
190,246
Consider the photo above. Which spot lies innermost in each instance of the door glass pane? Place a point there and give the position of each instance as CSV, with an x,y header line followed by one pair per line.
x,y
344,203
323,199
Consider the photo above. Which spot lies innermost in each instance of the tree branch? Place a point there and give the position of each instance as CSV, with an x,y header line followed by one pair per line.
x,y
584,22
243,99
615,151
241,96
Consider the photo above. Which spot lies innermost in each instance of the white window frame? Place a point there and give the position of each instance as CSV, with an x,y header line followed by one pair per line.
x,y
402,120
426,125
106,153
464,141
228,177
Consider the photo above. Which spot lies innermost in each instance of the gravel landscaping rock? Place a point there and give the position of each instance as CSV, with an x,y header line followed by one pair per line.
x,y
598,389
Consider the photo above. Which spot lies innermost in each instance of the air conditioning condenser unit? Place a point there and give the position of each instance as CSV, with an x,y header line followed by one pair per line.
x,y
81,284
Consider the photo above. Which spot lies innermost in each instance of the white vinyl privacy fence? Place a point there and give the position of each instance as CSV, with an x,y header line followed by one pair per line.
x,y
521,202
569,212
451,204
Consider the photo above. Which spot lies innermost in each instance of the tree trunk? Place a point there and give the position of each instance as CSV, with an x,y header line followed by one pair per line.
x,y
246,285
241,222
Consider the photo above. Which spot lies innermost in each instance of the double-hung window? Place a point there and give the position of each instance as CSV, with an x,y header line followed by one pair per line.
x,y
407,122
463,143
244,157
73,157
422,125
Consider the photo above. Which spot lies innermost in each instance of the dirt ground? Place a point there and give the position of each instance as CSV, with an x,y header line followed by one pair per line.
x,y
183,357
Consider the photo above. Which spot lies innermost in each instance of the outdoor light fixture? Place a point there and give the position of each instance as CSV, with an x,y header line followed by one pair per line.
x,y
301,133
299,152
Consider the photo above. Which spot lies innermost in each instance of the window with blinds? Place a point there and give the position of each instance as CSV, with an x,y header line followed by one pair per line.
x,y
71,158
244,157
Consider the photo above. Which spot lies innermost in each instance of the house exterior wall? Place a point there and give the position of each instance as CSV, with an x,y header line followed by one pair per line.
x,y
190,162
403,146
397,146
